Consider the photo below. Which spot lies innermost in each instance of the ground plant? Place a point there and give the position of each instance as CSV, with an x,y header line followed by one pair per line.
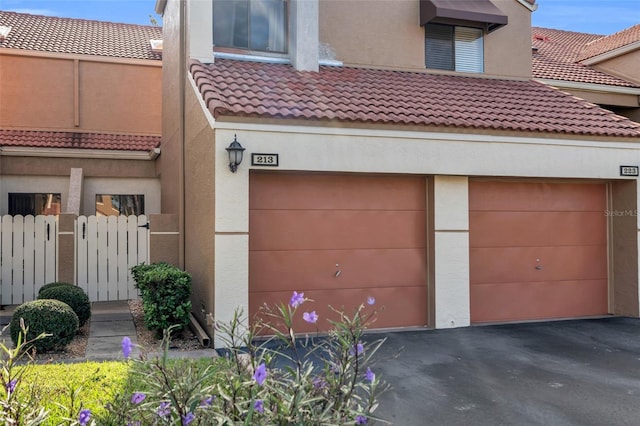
x,y
52,318
73,296
286,379
166,295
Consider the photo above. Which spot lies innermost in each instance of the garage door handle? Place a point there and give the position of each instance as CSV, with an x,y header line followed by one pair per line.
x,y
538,267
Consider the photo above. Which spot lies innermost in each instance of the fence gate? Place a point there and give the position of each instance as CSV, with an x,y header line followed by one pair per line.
x,y
28,250
106,248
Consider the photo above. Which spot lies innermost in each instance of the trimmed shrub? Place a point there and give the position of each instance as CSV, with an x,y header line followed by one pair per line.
x,y
45,316
47,286
71,295
166,295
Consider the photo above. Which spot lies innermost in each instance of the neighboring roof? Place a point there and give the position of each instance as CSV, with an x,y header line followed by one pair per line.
x,y
79,36
611,42
71,140
256,89
558,55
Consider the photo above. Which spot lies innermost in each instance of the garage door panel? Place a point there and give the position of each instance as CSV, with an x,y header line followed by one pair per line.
x,y
395,308
283,191
287,270
526,301
519,264
511,225
342,229
504,229
532,196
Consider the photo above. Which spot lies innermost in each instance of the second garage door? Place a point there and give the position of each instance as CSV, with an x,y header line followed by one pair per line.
x,y
537,250
339,239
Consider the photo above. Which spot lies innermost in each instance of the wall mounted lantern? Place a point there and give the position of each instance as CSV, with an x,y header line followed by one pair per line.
x,y
235,151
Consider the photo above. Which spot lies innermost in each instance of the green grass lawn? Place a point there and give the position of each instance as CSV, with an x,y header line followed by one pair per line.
x,y
88,385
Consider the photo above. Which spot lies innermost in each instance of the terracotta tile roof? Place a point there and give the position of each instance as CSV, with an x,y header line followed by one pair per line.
x,y
611,42
558,55
79,36
70,140
240,88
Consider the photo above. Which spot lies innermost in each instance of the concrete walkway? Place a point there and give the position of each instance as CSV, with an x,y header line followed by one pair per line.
x,y
110,322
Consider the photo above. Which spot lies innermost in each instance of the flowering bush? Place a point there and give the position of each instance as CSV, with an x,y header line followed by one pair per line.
x,y
283,380
18,405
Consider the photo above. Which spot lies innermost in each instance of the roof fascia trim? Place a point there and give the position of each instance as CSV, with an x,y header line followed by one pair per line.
x,y
592,87
531,7
617,142
612,53
17,151
160,6
88,58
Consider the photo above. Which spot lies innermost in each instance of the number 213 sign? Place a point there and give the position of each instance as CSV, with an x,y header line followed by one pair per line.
x,y
270,160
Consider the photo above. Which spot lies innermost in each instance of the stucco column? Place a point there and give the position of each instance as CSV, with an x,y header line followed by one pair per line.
x,y
231,265
451,251
66,248
163,238
200,24
303,34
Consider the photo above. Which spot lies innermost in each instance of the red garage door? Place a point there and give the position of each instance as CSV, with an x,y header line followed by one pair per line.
x,y
339,239
537,250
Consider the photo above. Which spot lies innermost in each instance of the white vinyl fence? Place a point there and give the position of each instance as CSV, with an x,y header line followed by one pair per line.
x,y
106,249
28,250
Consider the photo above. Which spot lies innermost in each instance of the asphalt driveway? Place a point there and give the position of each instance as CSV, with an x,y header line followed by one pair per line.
x,y
582,372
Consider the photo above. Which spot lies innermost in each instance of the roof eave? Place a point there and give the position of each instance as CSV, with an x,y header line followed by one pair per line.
x,y
104,154
611,54
592,87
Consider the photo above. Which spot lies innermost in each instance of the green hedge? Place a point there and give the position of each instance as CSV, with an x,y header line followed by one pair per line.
x,y
45,316
72,296
166,295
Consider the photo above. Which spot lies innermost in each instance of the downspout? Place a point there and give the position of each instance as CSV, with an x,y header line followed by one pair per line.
x,y
182,86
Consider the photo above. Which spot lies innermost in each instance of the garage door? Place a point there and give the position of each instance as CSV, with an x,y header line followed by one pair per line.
x,y
339,239
537,250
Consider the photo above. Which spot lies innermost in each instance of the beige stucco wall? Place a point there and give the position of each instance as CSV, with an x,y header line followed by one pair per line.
x,y
200,158
626,66
388,34
507,50
170,164
623,248
92,167
73,93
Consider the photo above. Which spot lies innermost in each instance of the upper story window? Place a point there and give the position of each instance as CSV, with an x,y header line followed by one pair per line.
x,y
34,203
454,48
259,25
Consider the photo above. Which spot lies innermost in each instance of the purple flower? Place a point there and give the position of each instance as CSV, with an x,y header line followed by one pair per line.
x,y
361,420
260,374
126,346
164,409
297,299
207,401
137,397
370,375
259,406
188,418
319,382
84,417
356,349
11,386
310,317
371,300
